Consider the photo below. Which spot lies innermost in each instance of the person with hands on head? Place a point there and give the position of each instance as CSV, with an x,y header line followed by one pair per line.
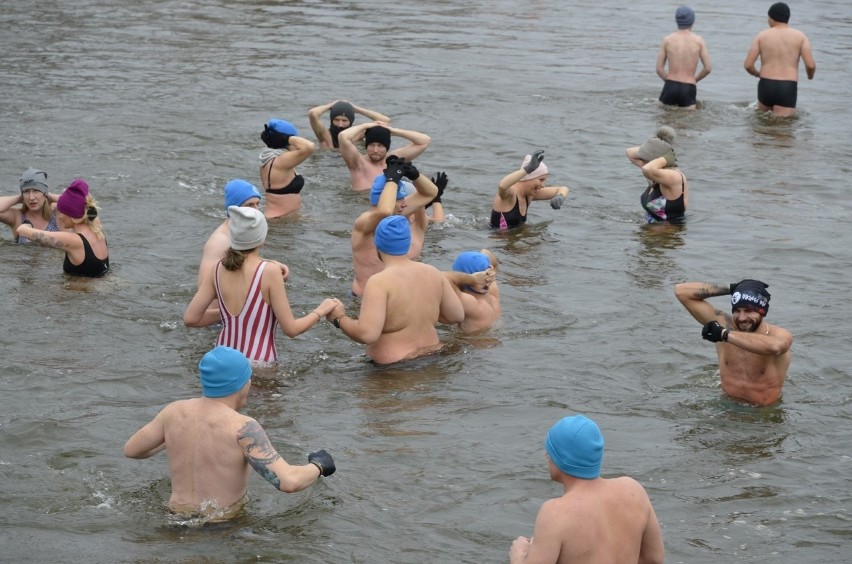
x,y
81,235
284,151
391,193
473,278
341,115
401,304
595,519
211,446
363,169
753,355
37,205
252,300
437,206
666,197
517,189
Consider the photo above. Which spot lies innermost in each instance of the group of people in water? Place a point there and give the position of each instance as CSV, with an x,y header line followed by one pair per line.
x,y
211,445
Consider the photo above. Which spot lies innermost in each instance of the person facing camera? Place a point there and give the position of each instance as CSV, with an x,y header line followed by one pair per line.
x,y
518,189
37,205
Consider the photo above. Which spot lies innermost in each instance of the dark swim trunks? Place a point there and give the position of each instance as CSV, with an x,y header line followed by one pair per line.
x,y
678,94
771,92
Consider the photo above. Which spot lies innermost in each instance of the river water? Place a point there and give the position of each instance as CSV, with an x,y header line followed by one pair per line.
x,y
158,103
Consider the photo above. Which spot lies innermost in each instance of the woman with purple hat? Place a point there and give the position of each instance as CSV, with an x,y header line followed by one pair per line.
x,y
82,237
34,206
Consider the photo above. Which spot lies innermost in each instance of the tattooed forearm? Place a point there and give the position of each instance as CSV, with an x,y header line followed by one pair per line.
x,y
45,239
711,290
259,452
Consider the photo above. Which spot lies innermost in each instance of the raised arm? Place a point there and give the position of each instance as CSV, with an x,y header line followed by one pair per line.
x,y
314,115
503,187
776,344
265,460
371,114
298,150
347,138
657,171
418,142
64,240
426,190
693,295
9,216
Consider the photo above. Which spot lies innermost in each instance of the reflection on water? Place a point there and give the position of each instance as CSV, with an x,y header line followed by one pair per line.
x,y
652,264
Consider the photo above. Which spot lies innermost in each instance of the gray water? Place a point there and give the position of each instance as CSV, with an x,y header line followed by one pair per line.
x,y
157,104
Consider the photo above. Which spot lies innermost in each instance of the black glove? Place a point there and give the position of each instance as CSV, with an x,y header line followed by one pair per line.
x,y
556,201
535,160
322,460
395,169
733,287
439,180
713,332
411,172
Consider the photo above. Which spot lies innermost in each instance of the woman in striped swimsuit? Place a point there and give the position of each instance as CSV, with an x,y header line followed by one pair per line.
x,y
250,293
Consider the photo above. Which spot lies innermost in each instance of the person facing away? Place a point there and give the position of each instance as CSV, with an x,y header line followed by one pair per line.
x,y
250,294
753,355
363,169
518,189
212,447
238,192
667,195
401,304
81,235
390,195
596,519
37,205
284,151
681,51
779,49
473,278
341,116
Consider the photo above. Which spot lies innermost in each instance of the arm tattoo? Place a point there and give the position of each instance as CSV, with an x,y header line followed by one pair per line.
x,y
47,240
709,291
259,452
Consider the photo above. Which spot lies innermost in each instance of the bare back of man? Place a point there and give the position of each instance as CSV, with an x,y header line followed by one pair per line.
x,y
682,50
597,521
780,47
208,467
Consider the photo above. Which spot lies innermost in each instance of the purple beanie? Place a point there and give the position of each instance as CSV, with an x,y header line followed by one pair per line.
x,y
72,202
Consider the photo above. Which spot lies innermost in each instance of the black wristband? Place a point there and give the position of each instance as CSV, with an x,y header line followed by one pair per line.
x,y
336,321
318,465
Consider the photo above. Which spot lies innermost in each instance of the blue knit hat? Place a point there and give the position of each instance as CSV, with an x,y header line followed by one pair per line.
x,y
238,192
404,188
575,446
471,262
393,235
223,371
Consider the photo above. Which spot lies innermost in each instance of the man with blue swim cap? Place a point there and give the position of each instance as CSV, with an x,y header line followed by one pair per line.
x,y
400,189
210,445
753,355
402,303
341,115
238,192
473,278
596,519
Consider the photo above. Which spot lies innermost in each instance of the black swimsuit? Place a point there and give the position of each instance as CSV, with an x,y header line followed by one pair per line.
x,y
658,208
294,187
511,218
91,267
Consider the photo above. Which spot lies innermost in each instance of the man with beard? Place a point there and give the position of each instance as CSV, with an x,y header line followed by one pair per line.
x,y
753,355
363,169
341,115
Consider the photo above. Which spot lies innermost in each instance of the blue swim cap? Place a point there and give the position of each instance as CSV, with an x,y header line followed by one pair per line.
x,y
238,192
282,126
471,261
575,446
404,188
393,235
223,371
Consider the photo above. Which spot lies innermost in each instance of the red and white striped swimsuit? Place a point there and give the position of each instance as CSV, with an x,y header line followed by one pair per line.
x,y
252,331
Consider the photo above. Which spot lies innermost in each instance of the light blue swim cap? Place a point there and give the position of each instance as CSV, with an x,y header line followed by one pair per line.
x,y
238,192
471,261
404,188
575,445
393,235
223,371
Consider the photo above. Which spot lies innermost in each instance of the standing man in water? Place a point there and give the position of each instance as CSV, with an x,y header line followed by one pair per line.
x,y
753,355
341,115
211,445
596,519
363,169
780,47
682,50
